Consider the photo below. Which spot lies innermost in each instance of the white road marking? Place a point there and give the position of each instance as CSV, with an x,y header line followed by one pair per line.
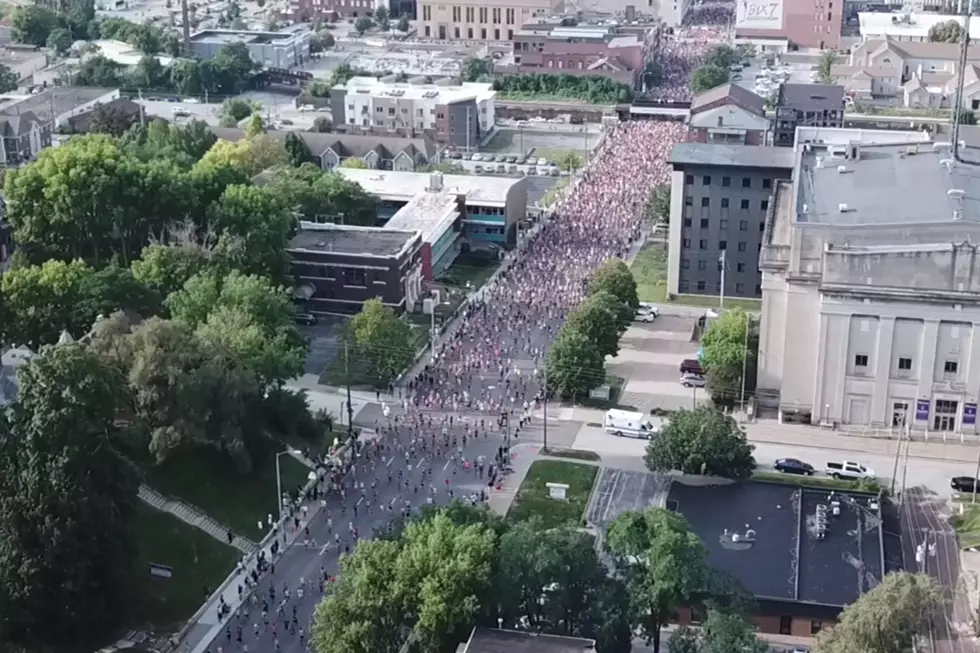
x,y
446,466
359,501
390,460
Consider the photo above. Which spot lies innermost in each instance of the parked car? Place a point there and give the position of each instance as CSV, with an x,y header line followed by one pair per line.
x,y
691,366
692,381
643,316
478,168
650,308
964,484
512,159
476,157
850,470
306,318
794,466
501,168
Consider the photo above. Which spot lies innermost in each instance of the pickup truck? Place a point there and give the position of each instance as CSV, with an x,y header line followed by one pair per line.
x,y
849,470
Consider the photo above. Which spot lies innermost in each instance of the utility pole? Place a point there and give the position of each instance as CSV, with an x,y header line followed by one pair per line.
x,y
905,465
898,450
546,408
975,476
185,19
350,408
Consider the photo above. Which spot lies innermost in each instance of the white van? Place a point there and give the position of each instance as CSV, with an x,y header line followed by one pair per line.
x,y
625,423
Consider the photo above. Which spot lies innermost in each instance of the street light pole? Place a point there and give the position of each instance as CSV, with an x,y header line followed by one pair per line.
x,y
545,407
279,482
745,360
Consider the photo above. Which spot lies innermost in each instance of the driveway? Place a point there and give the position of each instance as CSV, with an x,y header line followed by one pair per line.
x,y
324,343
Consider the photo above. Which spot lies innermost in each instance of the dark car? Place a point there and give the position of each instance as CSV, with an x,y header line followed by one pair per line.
x,y
963,484
794,466
691,366
306,318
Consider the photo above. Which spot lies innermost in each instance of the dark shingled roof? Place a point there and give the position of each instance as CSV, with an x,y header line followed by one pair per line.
x,y
811,97
736,94
492,640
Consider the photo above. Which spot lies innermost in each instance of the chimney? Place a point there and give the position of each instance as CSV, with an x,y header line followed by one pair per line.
x,y
435,182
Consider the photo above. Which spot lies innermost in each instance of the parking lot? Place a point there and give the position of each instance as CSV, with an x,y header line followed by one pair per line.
x,y
324,343
764,81
649,359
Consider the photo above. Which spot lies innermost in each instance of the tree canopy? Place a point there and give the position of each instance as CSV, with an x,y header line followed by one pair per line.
x,y
594,90
378,342
708,77
948,31
575,364
614,277
704,441
323,196
602,318
728,352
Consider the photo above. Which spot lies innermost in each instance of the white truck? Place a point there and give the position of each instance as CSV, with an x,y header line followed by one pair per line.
x,y
625,423
848,469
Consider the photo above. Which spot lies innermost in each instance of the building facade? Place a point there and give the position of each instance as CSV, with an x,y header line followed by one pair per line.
x,y
22,137
728,115
286,49
806,105
338,268
472,20
455,115
871,290
807,24
583,50
720,197
332,10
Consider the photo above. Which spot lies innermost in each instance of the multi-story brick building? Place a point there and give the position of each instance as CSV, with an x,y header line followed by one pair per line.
x,y
728,114
806,105
479,20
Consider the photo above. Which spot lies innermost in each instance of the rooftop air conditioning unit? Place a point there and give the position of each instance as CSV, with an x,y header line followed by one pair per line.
x,y
955,193
941,145
843,208
842,169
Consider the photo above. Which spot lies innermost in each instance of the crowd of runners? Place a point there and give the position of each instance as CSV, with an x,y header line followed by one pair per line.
x,y
461,413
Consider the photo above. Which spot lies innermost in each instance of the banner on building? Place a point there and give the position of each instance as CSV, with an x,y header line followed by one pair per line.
x,y
921,409
969,414
759,14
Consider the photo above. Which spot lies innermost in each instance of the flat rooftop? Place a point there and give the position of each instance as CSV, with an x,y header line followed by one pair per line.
x,y
740,156
239,36
888,184
442,94
58,99
431,213
404,186
786,562
493,640
355,241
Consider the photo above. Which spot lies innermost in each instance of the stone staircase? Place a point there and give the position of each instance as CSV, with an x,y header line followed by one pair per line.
x,y
192,516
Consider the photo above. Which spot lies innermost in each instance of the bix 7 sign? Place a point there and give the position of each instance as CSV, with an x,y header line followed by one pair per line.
x,y
759,14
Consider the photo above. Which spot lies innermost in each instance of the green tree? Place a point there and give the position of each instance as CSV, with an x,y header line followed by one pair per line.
x,y
99,71
254,230
382,18
33,24
967,117
362,25
40,302
569,161
150,73
166,268
720,633
59,40
147,39
237,109
327,40
67,504
825,67
248,318
9,80
112,289
475,69
657,208
255,126
321,196
663,562
706,78
948,31
354,162
297,150
250,155
403,24
575,364
703,441
111,121
599,318
614,277
721,56
593,90
322,125
379,342
887,619
728,351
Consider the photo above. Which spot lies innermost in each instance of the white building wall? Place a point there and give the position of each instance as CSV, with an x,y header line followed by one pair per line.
x,y
676,227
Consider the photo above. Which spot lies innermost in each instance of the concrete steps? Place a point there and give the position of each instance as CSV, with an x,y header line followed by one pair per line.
x,y
189,515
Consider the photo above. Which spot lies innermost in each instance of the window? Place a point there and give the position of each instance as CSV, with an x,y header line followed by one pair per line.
x,y
739,288
705,202
723,245
354,277
703,244
746,182
764,205
741,246
785,625
905,363
762,226
687,243
706,180
758,289
700,285
689,179
724,202
815,627
860,360
726,182
950,367
687,222
704,223
685,264
702,265
688,200
456,30
745,205
723,224
743,225
766,184
740,267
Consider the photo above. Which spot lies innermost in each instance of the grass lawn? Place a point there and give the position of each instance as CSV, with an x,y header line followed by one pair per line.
x,y
967,525
555,154
650,271
198,560
532,498
472,268
209,482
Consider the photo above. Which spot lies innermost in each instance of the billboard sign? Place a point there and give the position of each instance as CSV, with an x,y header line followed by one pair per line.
x,y
759,14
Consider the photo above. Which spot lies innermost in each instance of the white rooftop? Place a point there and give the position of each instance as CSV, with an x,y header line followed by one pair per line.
x,y
907,26
126,55
444,94
845,135
404,186
430,212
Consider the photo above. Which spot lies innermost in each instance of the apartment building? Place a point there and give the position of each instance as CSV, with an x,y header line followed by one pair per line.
x,y
455,115
473,20
719,198
802,24
585,50
806,105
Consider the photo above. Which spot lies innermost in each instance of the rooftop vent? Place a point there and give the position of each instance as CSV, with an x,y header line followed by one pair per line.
x,y
843,208
912,150
435,181
955,193
948,164
843,170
